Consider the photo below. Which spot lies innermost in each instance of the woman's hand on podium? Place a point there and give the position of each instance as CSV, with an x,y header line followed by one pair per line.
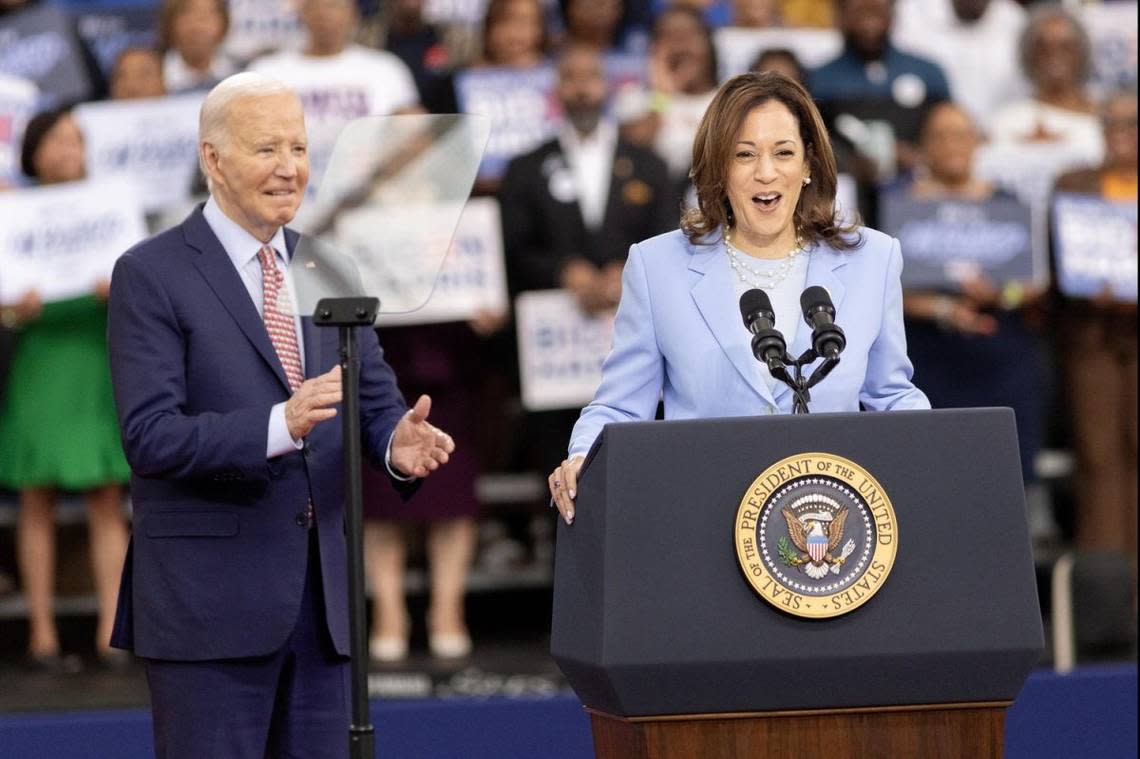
x,y
563,483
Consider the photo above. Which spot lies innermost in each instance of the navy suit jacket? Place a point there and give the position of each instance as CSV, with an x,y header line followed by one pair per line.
x,y
219,548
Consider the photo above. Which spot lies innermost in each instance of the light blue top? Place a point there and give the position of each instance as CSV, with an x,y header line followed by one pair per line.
x,y
785,298
678,335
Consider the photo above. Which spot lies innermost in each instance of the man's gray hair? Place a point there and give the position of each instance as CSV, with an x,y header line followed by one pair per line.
x,y
212,117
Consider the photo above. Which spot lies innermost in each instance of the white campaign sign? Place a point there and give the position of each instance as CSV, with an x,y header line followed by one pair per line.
x,y
561,350
260,26
1112,29
737,47
473,277
60,240
152,142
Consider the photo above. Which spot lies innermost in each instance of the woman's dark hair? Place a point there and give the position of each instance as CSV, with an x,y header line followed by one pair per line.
x,y
496,9
815,215
172,8
785,53
706,30
34,134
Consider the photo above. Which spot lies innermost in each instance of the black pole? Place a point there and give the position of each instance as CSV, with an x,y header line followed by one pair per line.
x,y
361,738
347,314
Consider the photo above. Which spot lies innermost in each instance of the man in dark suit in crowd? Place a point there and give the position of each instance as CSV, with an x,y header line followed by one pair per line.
x,y
234,589
572,207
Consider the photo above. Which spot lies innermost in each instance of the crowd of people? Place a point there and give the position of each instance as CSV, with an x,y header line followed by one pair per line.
x,y
977,101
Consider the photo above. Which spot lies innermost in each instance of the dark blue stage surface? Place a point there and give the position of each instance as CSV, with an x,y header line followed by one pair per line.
x,y
1088,713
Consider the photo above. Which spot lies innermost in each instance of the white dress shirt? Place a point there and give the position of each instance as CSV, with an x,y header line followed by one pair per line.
x,y
591,160
242,248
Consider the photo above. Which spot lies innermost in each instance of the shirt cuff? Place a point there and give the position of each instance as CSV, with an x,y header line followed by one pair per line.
x,y
388,462
279,441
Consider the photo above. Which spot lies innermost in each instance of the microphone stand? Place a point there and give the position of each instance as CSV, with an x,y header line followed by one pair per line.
x,y
778,367
347,314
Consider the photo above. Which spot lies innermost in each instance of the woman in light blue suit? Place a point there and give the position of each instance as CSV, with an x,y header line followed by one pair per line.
x,y
765,178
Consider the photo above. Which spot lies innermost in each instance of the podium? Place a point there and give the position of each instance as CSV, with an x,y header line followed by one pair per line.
x,y
674,654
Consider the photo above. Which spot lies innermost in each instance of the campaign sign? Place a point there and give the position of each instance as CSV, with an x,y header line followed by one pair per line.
x,y
561,350
473,277
1095,246
39,43
151,142
61,239
737,47
520,105
261,26
109,30
460,12
941,239
1112,31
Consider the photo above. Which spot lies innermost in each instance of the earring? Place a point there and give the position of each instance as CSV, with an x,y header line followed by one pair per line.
x,y
807,180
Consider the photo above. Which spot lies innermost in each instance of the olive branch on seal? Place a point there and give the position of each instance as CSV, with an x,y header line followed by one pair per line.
x,y
787,553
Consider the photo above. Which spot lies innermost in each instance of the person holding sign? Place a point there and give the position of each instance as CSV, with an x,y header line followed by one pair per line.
x,y
1098,344
765,219
974,320
57,423
235,587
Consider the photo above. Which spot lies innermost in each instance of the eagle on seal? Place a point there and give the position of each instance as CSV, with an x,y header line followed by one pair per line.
x,y
817,535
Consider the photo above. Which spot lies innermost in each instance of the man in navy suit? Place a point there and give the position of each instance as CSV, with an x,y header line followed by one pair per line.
x,y
234,589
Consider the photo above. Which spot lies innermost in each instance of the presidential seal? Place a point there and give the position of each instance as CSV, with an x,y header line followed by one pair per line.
x,y
816,535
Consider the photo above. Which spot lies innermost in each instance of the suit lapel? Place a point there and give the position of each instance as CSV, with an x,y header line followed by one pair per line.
x,y
614,201
713,295
822,267
556,172
220,274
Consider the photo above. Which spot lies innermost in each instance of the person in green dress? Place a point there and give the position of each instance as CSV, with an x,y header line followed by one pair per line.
x,y
58,428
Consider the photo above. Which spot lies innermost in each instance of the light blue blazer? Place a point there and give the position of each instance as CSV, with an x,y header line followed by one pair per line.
x,y
678,335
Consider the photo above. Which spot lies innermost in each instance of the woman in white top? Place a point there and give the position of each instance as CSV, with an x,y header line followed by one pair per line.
x,y
1034,140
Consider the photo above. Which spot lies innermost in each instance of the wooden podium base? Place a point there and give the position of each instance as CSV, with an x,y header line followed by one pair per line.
x,y
937,731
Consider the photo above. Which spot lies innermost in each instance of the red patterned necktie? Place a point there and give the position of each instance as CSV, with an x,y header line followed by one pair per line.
x,y
282,329
279,322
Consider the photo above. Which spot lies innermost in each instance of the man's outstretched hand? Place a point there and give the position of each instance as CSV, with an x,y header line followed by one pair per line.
x,y
419,447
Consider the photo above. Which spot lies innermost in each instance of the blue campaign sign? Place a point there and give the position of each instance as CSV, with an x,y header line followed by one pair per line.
x,y
108,29
39,43
943,239
520,104
1094,242
522,107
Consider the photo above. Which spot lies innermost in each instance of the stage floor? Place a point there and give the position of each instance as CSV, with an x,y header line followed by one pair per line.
x,y
514,669
1090,712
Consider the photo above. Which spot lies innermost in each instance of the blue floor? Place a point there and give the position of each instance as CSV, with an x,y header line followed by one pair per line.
x,y
1089,713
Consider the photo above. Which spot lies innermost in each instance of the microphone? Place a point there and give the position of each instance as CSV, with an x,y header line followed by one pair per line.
x,y
827,339
768,345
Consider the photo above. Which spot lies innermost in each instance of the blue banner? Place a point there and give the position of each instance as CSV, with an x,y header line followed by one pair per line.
x,y
944,240
522,107
1094,242
39,43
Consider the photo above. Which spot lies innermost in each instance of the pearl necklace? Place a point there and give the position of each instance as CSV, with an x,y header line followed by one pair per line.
x,y
766,280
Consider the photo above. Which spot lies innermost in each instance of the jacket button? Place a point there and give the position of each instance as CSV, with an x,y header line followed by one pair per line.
x,y
302,519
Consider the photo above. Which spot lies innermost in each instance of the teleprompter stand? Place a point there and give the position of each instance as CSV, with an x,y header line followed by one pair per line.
x,y
347,314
